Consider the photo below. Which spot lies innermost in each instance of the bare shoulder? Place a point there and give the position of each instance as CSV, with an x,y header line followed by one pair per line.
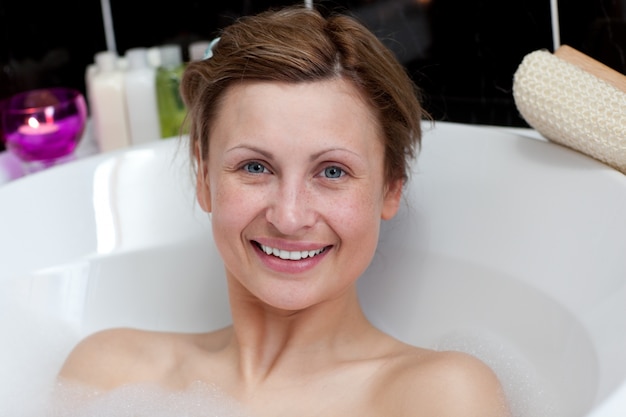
x,y
111,357
449,383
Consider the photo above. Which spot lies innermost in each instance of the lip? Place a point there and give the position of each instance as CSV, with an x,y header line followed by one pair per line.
x,y
287,266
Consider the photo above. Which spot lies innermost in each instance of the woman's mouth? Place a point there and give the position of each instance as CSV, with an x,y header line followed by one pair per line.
x,y
290,255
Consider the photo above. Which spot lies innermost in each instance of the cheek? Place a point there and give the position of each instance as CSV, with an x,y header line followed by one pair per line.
x,y
357,218
358,230
232,210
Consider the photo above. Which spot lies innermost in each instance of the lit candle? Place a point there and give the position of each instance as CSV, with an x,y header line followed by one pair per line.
x,y
34,127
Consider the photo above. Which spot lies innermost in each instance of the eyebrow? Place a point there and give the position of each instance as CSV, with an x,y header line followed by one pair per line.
x,y
250,148
269,155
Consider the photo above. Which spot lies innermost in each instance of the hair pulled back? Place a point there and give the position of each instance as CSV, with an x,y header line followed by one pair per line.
x,y
295,45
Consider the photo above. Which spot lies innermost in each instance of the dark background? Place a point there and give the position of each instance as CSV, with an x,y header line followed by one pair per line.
x,y
462,53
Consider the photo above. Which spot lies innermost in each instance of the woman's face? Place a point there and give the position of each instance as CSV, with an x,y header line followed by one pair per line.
x,y
296,187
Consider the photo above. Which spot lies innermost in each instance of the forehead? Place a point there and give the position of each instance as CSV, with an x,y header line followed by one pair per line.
x,y
328,104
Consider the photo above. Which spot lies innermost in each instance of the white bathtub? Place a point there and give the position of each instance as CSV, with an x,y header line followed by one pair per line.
x,y
508,247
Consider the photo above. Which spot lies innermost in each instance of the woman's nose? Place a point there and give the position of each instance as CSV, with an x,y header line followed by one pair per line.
x,y
291,210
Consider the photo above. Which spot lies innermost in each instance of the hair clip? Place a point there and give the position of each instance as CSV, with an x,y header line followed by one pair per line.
x,y
208,53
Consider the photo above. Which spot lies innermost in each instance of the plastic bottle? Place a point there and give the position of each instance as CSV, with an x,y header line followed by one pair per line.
x,y
197,50
154,56
141,100
90,72
172,110
108,103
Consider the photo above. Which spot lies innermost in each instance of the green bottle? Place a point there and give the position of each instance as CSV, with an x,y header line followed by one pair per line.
x,y
172,110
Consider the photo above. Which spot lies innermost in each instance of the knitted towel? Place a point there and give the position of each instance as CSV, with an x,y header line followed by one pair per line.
x,y
572,107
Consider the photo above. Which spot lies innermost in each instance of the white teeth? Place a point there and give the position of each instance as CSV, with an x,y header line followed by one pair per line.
x,y
291,255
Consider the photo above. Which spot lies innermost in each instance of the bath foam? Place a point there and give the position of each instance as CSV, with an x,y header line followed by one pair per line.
x,y
143,400
451,309
575,101
34,347
524,389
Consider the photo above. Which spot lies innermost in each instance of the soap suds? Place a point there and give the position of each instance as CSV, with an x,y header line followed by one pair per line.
x,y
526,393
143,400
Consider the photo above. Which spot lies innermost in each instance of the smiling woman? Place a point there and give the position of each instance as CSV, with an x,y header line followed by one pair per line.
x,y
266,182
302,129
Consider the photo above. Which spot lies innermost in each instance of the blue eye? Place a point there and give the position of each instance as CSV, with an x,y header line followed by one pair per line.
x,y
255,168
333,172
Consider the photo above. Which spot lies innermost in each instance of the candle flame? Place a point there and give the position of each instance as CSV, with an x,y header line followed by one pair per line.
x,y
49,112
33,122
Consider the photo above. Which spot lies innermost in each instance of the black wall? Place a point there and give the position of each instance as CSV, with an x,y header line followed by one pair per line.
x,y
462,53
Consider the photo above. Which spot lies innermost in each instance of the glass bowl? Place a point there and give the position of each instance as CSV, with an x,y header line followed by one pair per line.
x,y
42,127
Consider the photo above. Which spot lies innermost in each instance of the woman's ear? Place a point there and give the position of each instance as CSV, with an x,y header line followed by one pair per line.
x,y
391,202
203,189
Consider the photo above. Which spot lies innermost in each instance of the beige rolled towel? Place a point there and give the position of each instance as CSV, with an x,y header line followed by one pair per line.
x,y
575,101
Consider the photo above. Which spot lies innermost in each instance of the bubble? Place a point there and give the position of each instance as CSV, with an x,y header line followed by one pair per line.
x,y
33,349
526,392
143,400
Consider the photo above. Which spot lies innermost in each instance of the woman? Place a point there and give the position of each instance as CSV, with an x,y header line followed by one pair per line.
x,y
301,130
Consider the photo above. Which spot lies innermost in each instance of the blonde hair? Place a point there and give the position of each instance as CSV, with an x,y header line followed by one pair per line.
x,y
297,44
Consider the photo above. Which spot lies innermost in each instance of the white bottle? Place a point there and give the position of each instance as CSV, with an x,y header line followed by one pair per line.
x,y
141,99
154,56
90,72
198,49
109,104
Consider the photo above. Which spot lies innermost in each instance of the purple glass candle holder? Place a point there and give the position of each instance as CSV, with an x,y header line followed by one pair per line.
x,y
42,127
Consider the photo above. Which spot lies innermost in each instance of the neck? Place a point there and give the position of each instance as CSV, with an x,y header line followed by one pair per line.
x,y
268,340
